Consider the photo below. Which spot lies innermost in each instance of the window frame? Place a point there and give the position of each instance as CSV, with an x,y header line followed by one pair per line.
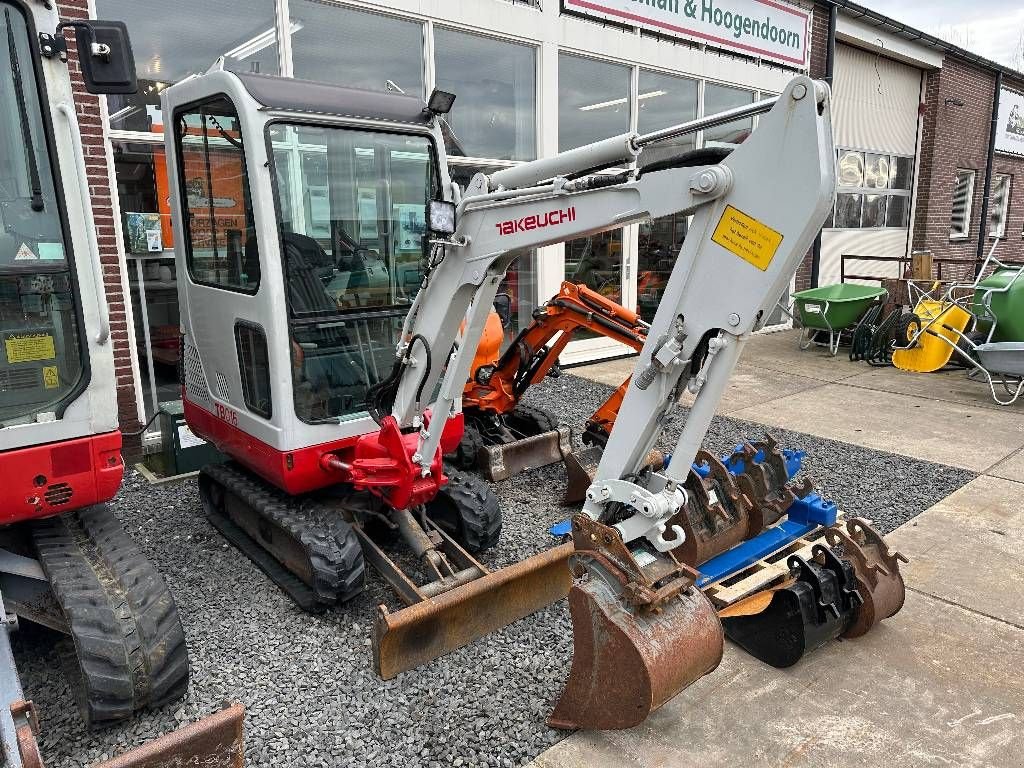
x,y
997,231
370,312
41,92
969,204
863,190
250,403
186,225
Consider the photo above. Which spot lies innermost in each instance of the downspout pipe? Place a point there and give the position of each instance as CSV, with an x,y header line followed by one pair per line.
x,y
983,226
830,63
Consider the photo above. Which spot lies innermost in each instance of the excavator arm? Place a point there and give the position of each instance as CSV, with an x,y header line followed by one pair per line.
x,y
497,386
642,630
745,244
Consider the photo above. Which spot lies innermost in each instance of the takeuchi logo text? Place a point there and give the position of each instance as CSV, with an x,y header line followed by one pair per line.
x,y
536,221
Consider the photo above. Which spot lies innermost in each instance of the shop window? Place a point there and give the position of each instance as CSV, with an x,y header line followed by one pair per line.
x,y
664,101
167,50
999,203
220,237
593,100
596,262
659,244
718,98
520,283
495,84
358,49
963,197
254,367
873,190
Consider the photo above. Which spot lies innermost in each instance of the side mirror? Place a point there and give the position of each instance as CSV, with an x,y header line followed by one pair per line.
x,y
104,54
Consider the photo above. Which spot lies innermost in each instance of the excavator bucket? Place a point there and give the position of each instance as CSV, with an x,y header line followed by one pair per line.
x,y
641,634
581,466
213,742
431,628
780,626
877,568
500,462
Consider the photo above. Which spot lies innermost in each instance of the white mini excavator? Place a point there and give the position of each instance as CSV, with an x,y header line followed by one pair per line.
x,y
328,262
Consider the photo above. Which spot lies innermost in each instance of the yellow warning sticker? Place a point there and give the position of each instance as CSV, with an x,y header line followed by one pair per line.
x,y
26,348
50,378
747,237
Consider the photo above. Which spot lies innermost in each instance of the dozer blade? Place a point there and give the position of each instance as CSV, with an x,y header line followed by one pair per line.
x,y
641,634
426,630
500,462
213,742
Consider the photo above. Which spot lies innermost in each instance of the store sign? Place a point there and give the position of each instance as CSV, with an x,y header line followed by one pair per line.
x,y
1010,129
761,28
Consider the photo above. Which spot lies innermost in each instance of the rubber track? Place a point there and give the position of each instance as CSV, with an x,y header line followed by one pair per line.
x,y
477,507
128,639
329,542
545,421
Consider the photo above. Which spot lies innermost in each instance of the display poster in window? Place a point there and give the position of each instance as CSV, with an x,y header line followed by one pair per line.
x,y
761,28
143,232
411,226
1010,129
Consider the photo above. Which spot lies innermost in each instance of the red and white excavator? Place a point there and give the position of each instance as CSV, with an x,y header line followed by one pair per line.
x,y
327,264
65,561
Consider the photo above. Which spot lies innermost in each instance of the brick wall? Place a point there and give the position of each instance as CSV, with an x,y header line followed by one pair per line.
x,y
88,109
955,138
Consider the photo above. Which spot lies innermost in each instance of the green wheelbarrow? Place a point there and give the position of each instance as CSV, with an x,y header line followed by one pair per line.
x,y
833,309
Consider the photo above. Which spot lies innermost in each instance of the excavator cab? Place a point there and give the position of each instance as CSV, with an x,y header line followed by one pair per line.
x,y
68,565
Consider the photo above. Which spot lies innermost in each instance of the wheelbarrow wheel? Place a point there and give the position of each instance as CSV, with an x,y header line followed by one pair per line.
x,y
907,329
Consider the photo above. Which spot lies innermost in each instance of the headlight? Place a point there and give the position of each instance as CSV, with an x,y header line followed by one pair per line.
x,y
442,217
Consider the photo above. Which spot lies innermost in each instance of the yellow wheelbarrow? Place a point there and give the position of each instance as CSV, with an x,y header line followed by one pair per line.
x,y
927,337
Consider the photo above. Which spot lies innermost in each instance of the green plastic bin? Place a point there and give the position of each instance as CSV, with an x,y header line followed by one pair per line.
x,y
835,307
1007,306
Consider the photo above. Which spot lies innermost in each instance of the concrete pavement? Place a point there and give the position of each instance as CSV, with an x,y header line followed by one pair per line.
x,y
941,683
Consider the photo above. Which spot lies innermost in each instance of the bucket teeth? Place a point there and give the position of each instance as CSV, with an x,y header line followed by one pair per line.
x,y
641,634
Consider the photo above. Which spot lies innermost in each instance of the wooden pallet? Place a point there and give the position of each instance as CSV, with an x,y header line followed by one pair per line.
x,y
764,573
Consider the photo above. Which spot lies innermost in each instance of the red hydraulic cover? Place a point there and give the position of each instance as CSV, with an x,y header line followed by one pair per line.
x,y
54,478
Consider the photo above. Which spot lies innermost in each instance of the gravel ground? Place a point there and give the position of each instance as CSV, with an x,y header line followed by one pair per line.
x,y
306,682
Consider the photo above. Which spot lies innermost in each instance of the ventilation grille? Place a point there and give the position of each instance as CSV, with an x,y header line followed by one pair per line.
x,y
195,378
223,388
25,378
58,494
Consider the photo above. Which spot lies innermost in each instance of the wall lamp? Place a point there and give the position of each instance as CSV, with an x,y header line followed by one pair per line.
x,y
955,102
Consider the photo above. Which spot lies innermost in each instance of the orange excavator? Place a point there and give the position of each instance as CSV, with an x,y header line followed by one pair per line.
x,y
502,435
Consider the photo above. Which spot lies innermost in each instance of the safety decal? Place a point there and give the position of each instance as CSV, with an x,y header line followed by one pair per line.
x,y
746,237
50,378
25,254
27,348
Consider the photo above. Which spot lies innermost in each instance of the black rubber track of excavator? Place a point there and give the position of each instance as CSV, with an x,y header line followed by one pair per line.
x,y
474,504
129,644
543,420
329,543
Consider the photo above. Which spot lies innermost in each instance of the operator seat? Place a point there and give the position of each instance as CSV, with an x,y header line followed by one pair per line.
x,y
333,378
